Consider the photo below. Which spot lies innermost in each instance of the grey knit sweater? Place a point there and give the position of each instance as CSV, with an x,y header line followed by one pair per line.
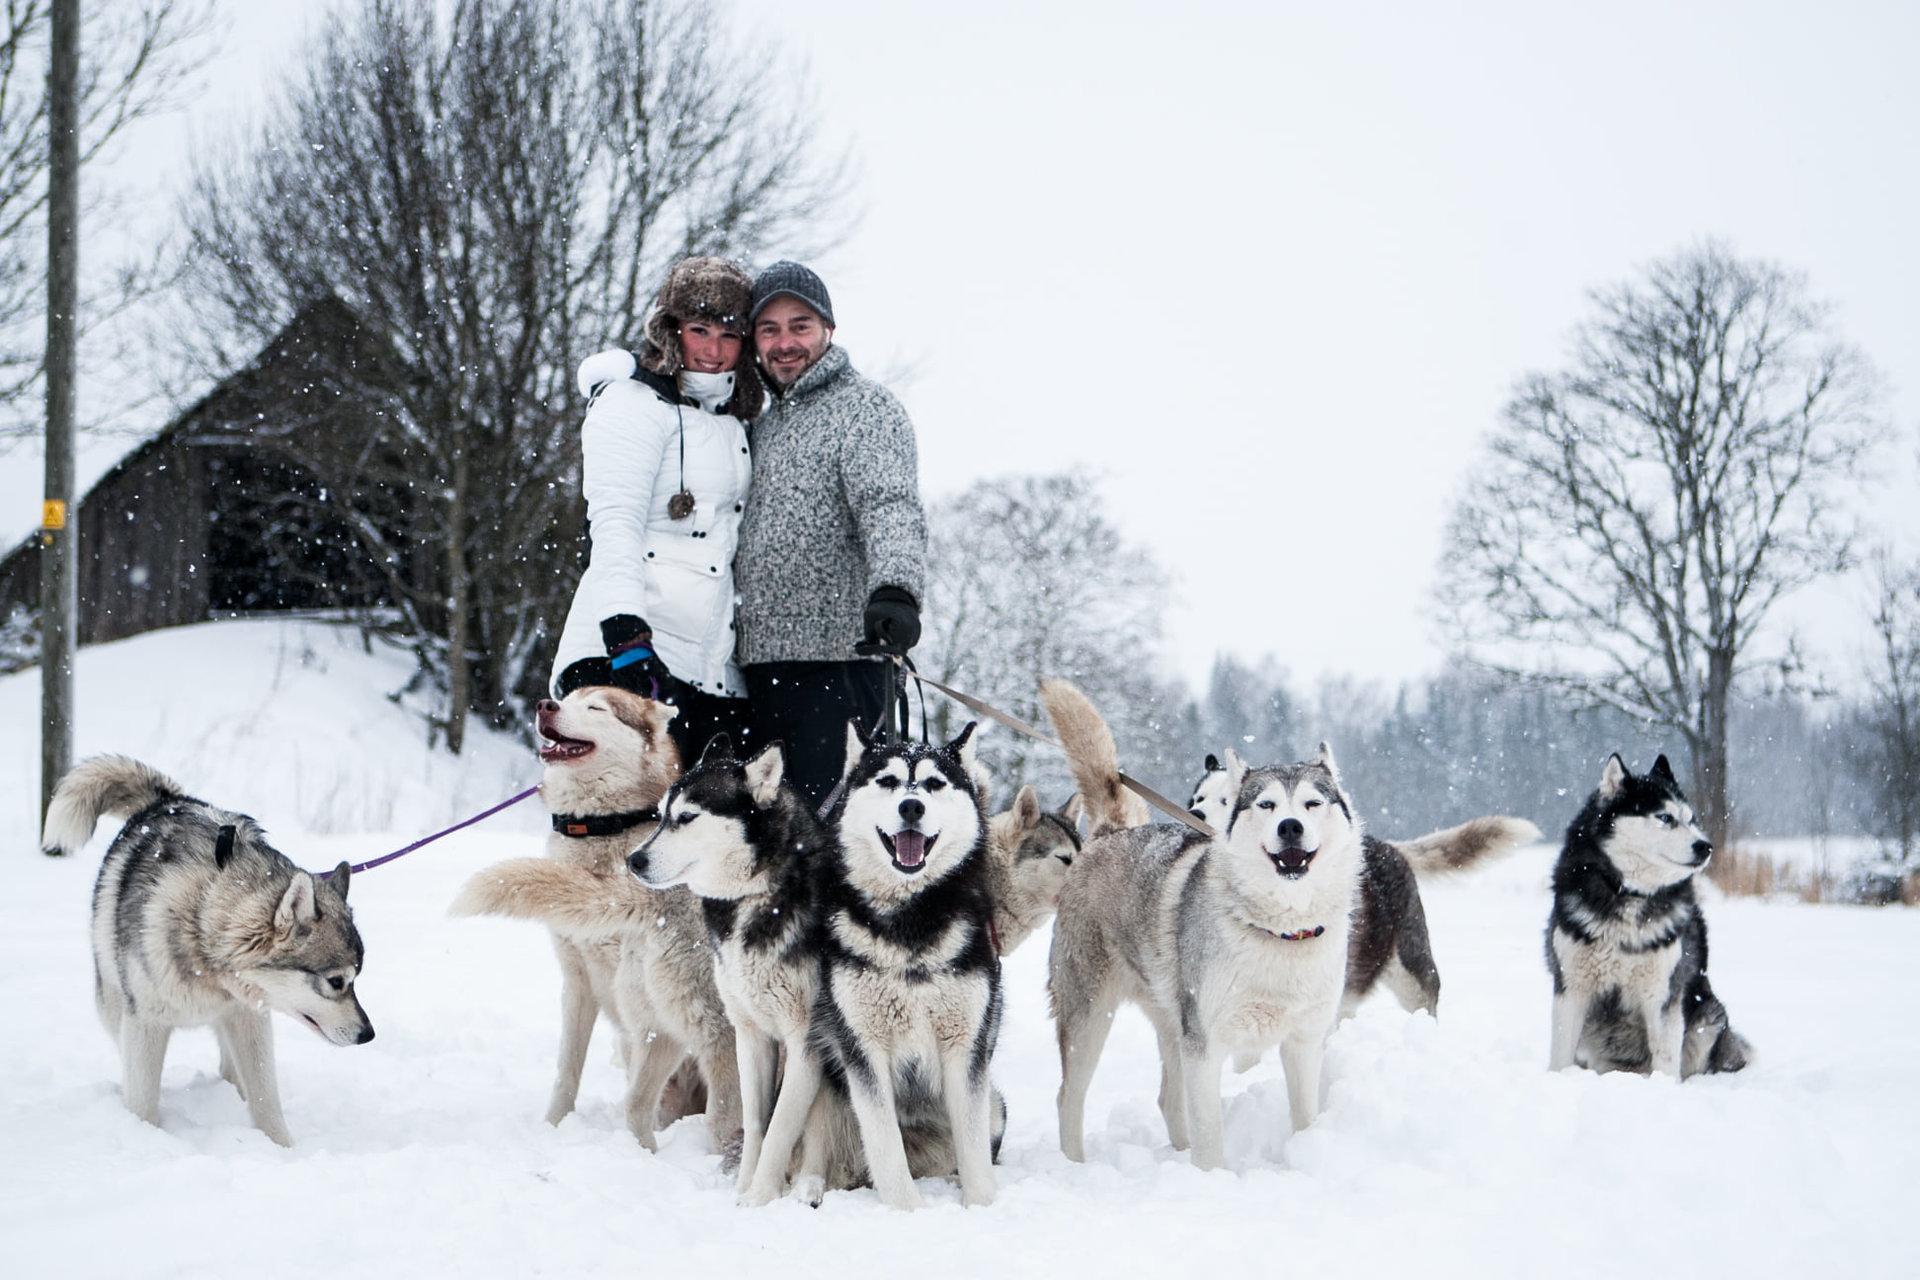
x,y
833,512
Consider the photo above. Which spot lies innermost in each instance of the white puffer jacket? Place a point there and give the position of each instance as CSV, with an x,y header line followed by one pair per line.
x,y
676,574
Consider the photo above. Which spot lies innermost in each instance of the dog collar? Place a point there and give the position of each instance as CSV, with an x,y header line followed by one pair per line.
x,y
1298,935
580,825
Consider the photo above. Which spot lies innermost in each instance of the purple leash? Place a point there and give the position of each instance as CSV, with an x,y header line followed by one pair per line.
x,y
423,841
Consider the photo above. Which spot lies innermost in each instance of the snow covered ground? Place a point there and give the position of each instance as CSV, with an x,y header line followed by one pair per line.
x,y
1446,1148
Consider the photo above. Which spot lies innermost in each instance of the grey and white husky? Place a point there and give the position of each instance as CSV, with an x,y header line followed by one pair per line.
x,y
910,1001
198,921
1390,945
1256,937
1626,941
1030,850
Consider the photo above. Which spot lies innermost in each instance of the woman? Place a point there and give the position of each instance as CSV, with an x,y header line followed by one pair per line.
x,y
665,472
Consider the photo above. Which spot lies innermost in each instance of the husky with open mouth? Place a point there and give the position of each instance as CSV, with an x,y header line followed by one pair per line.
x,y
1257,937
198,921
910,1001
1626,940
638,957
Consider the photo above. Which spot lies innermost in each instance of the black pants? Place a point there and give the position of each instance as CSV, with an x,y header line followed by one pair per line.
x,y
702,715
805,706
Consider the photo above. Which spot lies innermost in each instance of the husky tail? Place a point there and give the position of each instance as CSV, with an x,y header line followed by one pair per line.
x,y
565,897
1459,848
1093,759
105,786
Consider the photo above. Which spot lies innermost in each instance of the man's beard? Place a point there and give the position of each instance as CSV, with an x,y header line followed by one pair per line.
x,y
804,356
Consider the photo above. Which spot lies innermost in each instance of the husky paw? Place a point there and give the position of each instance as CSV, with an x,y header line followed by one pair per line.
x,y
811,1189
977,1199
757,1197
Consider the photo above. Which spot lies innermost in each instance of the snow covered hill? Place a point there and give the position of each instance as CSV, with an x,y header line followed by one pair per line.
x,y
288,720
1446,1147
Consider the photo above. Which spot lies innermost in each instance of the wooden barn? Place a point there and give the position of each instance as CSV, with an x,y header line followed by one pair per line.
x,y
215,516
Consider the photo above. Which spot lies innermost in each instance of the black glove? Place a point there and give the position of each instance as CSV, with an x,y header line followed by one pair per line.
x,y
636,667
893,619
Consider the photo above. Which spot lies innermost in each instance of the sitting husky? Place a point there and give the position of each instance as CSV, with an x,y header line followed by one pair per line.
x,y
910,1001
1626,942
198,920
751,849
1030,849
640,958
1258,936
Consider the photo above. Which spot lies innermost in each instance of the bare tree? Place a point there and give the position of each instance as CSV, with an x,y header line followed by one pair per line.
x,y
1639,514
493,194
135,60
1893,708
1027,579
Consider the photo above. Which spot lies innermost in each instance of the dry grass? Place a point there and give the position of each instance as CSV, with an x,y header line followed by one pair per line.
x,y
1744,873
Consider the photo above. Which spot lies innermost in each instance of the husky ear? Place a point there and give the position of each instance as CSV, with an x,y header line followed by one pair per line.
x,y
1236,771
719,747
1662,771
764,772
297,906
1324,758
1213,763
223,848
1026,807
1073,809
340,877
962,747
1613,777
856,747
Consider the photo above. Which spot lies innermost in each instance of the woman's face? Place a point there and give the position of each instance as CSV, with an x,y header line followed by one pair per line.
x,y
706,346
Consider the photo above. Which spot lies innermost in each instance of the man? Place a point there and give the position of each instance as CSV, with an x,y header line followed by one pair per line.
x,y
833,542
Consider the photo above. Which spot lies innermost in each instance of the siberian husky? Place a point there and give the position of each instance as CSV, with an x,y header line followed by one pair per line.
x,y
750,848
1626,941
638,957
197,920
910,1001
1391,946
1030,850
1258,936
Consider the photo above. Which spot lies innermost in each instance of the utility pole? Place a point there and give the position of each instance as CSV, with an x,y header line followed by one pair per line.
x,y
59,566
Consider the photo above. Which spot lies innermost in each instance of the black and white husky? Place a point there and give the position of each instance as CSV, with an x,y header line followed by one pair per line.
x,y
750,849
910,1001
1626,941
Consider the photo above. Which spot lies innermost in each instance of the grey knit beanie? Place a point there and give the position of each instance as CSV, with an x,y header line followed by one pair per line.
x,y
791,280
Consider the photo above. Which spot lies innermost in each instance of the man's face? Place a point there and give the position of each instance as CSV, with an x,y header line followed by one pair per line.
x,y
789,336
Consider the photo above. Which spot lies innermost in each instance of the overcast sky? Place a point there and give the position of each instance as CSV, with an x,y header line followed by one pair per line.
x,y
1270,269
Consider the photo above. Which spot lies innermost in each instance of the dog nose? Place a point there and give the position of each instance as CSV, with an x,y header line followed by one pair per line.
x,y
1290,829
366,1034
1702,850
637,862
546,706
912,810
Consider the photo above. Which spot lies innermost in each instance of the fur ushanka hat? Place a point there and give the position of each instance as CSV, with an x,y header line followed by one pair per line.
x,y
705,289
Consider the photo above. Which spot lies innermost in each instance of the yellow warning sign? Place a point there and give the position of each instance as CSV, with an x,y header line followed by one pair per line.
x,y
53,514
